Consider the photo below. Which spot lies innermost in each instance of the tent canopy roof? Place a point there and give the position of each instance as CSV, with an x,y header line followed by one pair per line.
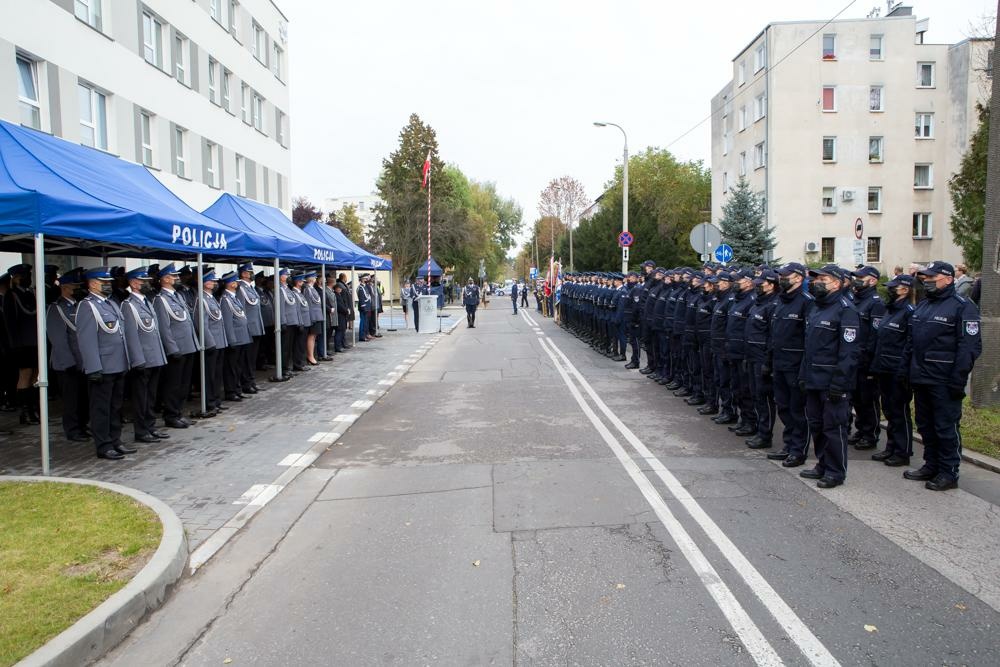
x,y
435,268
355,255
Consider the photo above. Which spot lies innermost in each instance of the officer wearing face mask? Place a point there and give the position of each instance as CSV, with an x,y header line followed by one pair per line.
x,y
828,373
470,299
758,342
720,317
871,310
943,345
787,343
632,297
146,354
893,375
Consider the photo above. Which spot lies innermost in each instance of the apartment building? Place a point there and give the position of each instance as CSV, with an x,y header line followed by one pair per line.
x,y
197,91
364,205
849,131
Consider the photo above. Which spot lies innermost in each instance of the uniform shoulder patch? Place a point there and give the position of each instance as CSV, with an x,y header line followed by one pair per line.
x,y
910,307
961,299
876,321
972,327
850,334
808,296
844,302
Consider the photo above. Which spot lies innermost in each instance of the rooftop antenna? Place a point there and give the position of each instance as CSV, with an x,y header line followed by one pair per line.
x,y
875,13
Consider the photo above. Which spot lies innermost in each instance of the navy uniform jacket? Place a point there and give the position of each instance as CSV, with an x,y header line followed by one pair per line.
x,y
635,298
305,314
890,339
215,328
944,340
691,316
142,333
175,322
870,309
830,360
266,307
644,287
618,303
99,330
720,318
289,307
736,325
365,299
680,310
61,331
19,316
315,300
759,328
788,329
659,294
470,295
251,302
703,318
670,297
513,292
235,319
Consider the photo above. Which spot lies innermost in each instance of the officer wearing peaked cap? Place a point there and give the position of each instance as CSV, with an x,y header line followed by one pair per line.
x,y
180,343
146,355
65,357
871,310
105,361
892,373
235,321
250,301
208,321
943,345
759,369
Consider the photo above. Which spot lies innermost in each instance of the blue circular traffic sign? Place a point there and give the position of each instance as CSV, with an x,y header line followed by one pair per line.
x,y
724,253
625,239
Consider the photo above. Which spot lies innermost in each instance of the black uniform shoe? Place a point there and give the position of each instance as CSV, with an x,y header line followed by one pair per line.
x,y
663,382
683,392
125,449
881,456
811,473
942,483
146,438
745,430
654,376
896,461
251,390
109,453
631,365
162,435
708,410
176,423
793,462
829,483
618,357
78,437
865,444
234,397
758,442
696,401
725,418
646,371
854,438
778,456
674,384
920,475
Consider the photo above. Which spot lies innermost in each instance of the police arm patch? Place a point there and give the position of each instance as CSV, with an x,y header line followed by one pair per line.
x,y
850,334
972,327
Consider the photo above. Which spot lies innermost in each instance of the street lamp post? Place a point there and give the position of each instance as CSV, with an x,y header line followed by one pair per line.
x,y
624,191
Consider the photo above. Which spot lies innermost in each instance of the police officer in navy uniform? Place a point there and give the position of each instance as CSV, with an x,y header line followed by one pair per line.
x,y
146,354
871,309
758,363
264,286
828,372
235,320
703,324
180,344
632,296
65,357
736,340
725,297
787,344
942,347
470,299
893,375
645,335
618,302
513,297
101,336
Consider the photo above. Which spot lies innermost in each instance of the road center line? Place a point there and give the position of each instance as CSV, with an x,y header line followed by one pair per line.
x,y
762,651
807,642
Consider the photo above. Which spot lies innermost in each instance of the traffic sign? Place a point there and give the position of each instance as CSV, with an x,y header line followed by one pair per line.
x,y
533,272
859,229
625,239
705,238
724,253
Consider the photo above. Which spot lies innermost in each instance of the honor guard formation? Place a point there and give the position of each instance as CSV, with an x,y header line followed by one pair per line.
x,y
818,348
135,337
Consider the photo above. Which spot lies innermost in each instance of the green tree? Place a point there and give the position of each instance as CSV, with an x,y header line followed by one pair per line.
x,y
968,194
743,225
347,221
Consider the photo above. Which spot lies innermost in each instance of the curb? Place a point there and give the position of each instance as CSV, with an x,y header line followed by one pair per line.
x,y
969,456
104,627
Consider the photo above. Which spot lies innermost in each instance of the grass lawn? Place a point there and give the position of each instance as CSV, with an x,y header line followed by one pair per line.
x,y
981,429
64,549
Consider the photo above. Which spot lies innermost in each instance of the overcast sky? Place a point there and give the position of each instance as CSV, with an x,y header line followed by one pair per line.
x,y
512,87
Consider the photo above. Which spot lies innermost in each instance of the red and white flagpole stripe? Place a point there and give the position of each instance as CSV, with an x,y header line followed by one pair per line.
x,y
427,180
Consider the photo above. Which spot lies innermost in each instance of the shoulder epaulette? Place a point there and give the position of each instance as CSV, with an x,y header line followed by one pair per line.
x,y
808,296
961,299
911,307
844,302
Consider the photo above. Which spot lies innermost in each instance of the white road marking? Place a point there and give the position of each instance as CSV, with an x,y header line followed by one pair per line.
x,y
345,418
289,460
362,404
386,383
810,646
252,492
373,392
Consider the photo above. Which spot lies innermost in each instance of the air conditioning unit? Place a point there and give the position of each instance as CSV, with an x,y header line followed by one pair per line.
x,y
847,195
812,246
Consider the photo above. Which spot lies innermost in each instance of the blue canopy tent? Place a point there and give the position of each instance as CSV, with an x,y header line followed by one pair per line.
x,y
357,256
433,267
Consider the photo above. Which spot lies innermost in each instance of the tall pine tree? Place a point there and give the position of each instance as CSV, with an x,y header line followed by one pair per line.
x,y
743,226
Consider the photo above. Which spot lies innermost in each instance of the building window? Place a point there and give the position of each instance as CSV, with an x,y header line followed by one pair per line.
x,y
874,200
923,127
989,64
279,191
276,54
725,141
922,226
258,112
180,159
211,164
152,40
758,59
829,203
875,149
829,98
89,11
181,59
875,47
741,70
758,155
215,10
245,103
925,75
725,182
827,245
241,188
829,47
875,101
146,137
743,118
93,117
759,107
923,176
829,149
279,126
874,250
27,93
743,163
259,44
234,13
213,84
227,83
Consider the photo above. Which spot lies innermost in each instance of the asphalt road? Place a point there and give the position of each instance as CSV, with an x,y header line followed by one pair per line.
x,y
518,499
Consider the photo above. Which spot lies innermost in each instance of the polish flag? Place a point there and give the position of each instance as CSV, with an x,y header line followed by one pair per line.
x,y
427,171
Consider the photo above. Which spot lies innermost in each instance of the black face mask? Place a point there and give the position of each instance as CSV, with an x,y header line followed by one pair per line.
x,y
106,288
931,289
759,289
146,289
79,293
785,283
858,284
25,282
818,290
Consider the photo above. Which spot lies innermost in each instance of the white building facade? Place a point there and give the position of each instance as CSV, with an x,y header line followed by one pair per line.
x,y
364,205
195,90
850,133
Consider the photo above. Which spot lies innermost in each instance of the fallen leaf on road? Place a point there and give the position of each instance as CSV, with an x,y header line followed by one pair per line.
x,y
475,563
871,628
619,586
227,661
960,606
407,523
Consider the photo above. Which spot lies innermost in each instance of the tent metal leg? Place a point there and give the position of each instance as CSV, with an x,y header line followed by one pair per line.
x,y
322,270
277,322
353,294
43,355
201,332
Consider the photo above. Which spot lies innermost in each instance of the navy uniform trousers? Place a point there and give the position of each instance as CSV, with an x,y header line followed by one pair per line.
x,y
828,425
791,408
938,416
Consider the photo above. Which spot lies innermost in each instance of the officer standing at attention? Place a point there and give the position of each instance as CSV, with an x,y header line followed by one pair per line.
x,y
871,310
145,354
305,321
632,296
289,323
513,297
720,318
470,299
101,338
893,376
208,314
65,357
943,345
618,302
736,341
828,372
180,344
758,344
250,301
235,322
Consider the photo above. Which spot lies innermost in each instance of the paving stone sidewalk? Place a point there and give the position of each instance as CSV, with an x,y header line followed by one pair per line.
x,y
202,472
